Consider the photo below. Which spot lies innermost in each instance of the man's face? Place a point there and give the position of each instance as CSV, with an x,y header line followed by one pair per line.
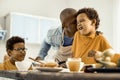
x,y
18,53
70,26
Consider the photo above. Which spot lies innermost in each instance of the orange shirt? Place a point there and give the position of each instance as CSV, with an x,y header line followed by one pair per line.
x,y
83,44
7,65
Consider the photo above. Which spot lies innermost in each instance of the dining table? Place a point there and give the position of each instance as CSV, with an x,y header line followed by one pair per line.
x,y
41,75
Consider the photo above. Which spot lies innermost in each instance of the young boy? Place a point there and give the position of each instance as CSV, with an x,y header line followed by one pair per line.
x,y
15,47
87,38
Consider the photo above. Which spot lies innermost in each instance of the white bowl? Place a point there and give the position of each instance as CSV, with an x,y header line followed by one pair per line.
x,y
23,65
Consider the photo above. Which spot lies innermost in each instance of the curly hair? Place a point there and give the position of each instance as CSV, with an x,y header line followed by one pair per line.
x,y
91,14
13,40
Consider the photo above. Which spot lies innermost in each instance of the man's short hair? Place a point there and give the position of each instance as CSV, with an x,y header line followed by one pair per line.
x,y
67,12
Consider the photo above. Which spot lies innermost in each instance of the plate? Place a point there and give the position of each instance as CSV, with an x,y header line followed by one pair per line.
x,y
105,70
49,69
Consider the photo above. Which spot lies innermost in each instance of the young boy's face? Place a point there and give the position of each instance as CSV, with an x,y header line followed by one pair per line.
x,y
18,53
85,25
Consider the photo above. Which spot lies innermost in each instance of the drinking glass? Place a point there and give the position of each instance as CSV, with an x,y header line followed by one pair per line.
x,y
74,64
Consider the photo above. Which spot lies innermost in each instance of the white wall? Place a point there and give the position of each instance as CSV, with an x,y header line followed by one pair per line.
x,y
116,25
37,7
48,8
2,50
52,8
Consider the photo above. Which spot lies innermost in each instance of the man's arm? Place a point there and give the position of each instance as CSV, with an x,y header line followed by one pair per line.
x,y
44,49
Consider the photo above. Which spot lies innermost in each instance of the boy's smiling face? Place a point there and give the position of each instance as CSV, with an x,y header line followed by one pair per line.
x,y
85,25
18,53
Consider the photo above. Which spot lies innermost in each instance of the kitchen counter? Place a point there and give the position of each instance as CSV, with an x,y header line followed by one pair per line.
x,y
38,75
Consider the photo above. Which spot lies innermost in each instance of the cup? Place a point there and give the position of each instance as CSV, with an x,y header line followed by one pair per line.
x,y
23,65
74,64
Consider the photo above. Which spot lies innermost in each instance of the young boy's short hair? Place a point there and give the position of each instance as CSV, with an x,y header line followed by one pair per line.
x,y
13,40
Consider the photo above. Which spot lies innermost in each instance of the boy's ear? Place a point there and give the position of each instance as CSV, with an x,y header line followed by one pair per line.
x,y
94,22
9,52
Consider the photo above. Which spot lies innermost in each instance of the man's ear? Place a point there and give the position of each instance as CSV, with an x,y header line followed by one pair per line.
x,y
94,22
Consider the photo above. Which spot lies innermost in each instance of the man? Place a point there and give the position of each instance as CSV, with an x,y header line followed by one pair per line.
x,y
54,36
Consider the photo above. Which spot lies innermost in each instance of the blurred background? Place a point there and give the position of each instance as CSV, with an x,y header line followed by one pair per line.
x,y
37,11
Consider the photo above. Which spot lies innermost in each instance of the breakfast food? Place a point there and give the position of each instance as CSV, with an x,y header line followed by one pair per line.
x,y
108,53
105,58
98,55
50,64
98,65
116,59
110,64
